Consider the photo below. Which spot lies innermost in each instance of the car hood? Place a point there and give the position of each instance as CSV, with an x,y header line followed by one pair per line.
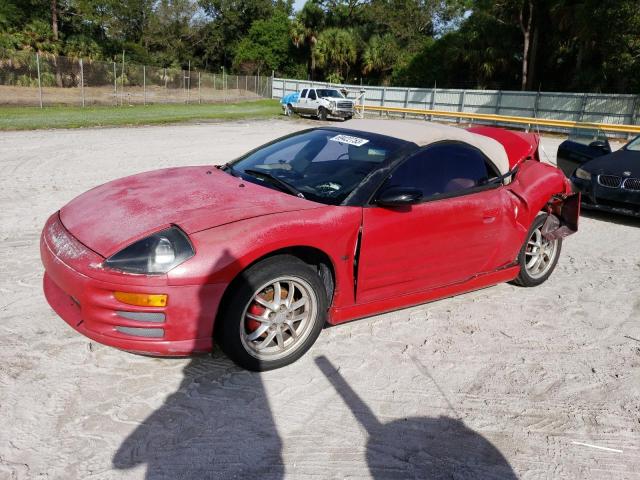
x,y
616,163
112,216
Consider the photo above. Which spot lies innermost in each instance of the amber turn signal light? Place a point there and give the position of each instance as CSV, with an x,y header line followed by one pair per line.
x,y
142,299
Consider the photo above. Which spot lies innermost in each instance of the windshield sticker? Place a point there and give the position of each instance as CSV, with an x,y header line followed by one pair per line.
x,y
349,140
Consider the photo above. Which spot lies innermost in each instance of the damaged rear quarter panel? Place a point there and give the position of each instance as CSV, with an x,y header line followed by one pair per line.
x,y
534,185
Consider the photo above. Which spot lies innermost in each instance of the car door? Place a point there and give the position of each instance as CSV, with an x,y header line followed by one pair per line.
x,y
456,231
572,154
312,102
302,101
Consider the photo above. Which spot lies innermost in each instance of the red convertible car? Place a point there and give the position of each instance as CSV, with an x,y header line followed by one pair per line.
x,y
324,225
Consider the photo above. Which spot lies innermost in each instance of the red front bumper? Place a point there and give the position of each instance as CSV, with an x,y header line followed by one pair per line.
x,y
82,294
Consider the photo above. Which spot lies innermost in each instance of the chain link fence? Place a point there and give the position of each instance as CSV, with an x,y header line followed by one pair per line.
x,y
29,79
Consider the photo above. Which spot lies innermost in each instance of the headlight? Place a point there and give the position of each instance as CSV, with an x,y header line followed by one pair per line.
x,y
583,174
332,104
158,253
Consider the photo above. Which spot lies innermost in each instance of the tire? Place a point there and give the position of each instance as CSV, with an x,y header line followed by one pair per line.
x,y
288,111
534,271
348,118
322,114
267,334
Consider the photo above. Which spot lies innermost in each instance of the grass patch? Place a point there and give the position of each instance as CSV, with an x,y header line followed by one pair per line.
x,y
31,118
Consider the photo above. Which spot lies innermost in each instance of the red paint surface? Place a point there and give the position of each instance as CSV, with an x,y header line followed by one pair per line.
x,y
108,217
518,145
407,256
449,241
88,305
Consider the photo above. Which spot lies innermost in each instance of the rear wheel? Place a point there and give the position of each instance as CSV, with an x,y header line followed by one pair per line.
x,y
274,315
538,256
288,110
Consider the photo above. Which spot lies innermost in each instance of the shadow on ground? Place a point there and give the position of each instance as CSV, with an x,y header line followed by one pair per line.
x,y
420,447
616,218
216,425
219,425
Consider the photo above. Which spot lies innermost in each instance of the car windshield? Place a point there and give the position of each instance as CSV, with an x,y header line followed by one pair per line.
x,y
634,145
587,136
324,165
325,92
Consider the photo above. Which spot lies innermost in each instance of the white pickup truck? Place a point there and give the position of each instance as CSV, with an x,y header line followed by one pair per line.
x,y
321,103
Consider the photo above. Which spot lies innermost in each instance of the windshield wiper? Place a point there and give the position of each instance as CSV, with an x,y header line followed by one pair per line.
x,y
287,187
228,169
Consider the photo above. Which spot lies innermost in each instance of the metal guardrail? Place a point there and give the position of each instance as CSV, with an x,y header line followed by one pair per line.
x,y
507,119
551,111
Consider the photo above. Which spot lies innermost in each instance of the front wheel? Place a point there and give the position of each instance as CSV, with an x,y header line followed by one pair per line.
x,y
538,256
288,110
322,114
274,315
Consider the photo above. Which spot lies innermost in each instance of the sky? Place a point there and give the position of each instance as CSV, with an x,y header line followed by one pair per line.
x,y
298,4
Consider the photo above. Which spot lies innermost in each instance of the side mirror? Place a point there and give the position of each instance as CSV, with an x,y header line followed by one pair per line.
x,y
399,197
600,145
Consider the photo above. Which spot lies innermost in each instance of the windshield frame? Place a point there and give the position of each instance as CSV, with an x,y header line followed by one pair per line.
x,y
360,194
636,144
586,136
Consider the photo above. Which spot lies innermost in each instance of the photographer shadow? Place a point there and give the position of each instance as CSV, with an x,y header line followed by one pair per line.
x,y
218,423
420,447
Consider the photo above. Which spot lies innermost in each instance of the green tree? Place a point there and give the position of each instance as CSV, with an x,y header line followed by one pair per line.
x,y
411,21
171,33
335,52
528,17
478,54
344,13
380,55
587,45
266,46
594,46
305,30
229,22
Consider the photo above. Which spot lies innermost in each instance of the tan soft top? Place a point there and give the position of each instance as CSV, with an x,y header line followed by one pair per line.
x,y
424,133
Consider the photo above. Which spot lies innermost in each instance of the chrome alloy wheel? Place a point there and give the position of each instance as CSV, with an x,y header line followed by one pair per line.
x,y
278,318
540,254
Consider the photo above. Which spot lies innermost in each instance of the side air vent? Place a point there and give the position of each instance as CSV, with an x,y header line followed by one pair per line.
x,y
142,332
143,316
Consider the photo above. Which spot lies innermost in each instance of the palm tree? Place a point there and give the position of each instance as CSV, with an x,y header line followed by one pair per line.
x,y
336,51
380,55
305,30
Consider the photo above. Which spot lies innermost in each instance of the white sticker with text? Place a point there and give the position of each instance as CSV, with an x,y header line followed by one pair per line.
x,y
349,140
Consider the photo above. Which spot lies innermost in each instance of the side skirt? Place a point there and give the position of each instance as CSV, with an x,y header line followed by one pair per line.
x,y
341,315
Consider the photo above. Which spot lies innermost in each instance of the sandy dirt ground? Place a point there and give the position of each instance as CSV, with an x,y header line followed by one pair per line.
x,y
506,382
